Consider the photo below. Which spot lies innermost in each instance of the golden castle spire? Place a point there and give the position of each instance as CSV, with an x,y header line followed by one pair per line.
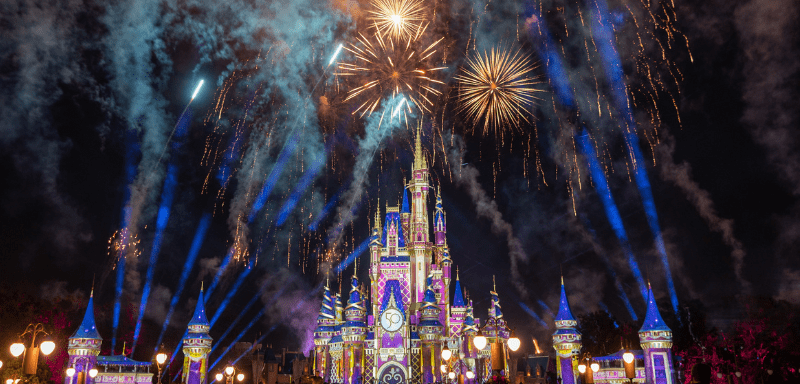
x,y
419,158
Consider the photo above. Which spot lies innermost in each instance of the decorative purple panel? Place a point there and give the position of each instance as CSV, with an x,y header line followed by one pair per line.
x,y
392,374
566,371
659,369
194,373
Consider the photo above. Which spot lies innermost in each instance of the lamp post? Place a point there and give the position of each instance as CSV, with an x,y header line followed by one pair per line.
x,y
31,358
499,361
459,363
630,366
72,371
230,373
161,358
587,370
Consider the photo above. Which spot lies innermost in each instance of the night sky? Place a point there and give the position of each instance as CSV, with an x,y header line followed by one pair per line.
x,y
93,140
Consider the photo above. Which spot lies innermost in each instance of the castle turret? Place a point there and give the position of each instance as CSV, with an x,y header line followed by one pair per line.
x,y
430,330
419,236
197,346
405,210
458,310
656,340
354,332
83,347
439,224
322,334
566,340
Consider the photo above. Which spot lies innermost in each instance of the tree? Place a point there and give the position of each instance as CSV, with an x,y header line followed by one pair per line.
x,y
603,335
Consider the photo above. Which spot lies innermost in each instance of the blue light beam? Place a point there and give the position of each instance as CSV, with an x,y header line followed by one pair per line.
x,y
614,218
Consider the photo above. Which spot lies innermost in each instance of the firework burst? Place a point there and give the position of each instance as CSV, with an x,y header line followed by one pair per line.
x,y
383,68
497,88
397,19
124,243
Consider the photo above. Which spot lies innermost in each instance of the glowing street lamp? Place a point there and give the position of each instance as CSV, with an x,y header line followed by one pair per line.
x,y
630,367
93,373
31,358
17,349
513,342
240,377
70,371
479,341
446,353
218,377
161,358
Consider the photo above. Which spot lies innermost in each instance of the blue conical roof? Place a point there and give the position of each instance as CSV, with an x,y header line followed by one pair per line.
x,y
355,294
199,317
653,320
326,310
430,297
564,312
405,208
87,329
458,299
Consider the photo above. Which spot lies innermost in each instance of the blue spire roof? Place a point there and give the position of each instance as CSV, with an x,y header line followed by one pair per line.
x,y
430,297
326,311
199,317
653,320
405,208
87,329
458,299
564,312
355,294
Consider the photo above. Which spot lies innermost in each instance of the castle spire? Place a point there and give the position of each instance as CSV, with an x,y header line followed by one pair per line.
x,y
458,299
88,329
564,311
653,320
419,158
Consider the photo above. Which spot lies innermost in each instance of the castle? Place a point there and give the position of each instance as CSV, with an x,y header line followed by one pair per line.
x,y
395,331
87,366
653,364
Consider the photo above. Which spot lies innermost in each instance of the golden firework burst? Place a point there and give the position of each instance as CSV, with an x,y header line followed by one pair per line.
x,y
397,19
383,68
497,88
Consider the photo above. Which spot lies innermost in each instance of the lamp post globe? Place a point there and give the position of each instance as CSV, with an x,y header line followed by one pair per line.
x,y
93,373
451,375
47,346
627,357
1,364
443,368
479,341
446,353
229,370
161,358
17,349
218,376
70,371
582,368
240,377
595,367
470,375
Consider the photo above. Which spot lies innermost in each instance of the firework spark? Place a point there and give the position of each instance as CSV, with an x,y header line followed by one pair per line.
x,y
498,88
124,243
397,19
383,68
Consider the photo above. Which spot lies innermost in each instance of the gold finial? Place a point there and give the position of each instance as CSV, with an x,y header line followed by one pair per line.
x,y
456,272
562,280
201,285
494,286
91,292
123,347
